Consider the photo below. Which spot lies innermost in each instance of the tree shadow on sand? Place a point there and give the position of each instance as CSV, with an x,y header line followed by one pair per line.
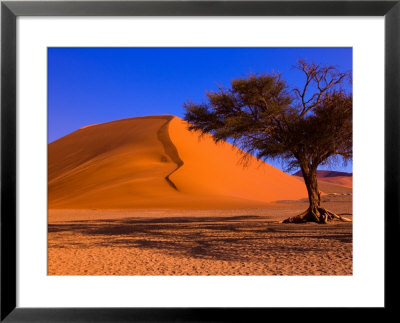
x,y
234,238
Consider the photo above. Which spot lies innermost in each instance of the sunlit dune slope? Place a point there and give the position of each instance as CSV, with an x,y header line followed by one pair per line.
x,y
214,169
155,162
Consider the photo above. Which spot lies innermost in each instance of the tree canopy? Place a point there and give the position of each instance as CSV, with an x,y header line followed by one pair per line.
x,y
305,126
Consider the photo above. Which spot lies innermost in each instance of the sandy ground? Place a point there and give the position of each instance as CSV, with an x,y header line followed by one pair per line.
x,y
199,242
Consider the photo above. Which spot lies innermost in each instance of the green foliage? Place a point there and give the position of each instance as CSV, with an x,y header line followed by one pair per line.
x,y
305,126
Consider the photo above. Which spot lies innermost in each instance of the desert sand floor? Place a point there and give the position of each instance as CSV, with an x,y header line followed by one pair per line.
x,y
199,242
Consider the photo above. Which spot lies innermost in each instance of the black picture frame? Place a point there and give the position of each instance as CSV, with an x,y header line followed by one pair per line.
x,y
10,10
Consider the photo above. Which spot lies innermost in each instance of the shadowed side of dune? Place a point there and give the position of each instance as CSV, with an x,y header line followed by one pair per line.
x,y
170,149
119,164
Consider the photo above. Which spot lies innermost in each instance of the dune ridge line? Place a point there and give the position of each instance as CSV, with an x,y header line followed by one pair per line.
x,y
170,149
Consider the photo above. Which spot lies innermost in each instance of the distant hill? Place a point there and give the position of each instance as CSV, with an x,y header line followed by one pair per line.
x,y
327,173
332,177
155,162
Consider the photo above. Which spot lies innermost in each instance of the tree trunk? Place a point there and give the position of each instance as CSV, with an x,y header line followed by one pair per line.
x,y
314,213
314,197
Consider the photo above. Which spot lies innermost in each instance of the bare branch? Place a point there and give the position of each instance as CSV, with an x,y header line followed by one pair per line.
x,y
324,79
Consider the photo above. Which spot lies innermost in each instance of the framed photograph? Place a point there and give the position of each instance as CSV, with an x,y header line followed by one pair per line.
x,y
197,161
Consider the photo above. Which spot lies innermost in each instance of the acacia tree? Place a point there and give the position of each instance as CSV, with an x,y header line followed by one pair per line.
x,y
305,127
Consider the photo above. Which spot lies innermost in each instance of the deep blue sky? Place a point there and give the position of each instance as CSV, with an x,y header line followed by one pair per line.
x,y
95,85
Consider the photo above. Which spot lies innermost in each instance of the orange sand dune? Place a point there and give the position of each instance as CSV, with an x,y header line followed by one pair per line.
x,y
155,162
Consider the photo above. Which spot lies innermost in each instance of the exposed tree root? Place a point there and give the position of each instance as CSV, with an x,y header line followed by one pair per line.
x,y
318,215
